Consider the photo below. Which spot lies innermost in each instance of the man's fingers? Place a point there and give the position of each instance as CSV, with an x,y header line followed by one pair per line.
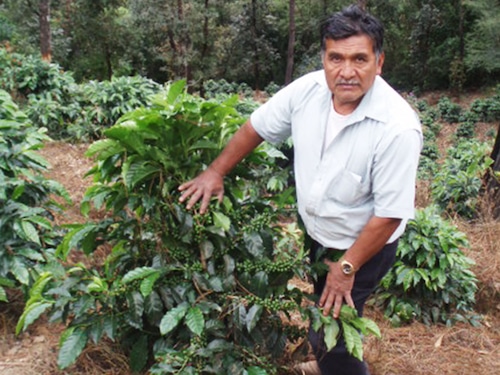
x,y
327,304
195,197
220,196
205,203
338,305
349,300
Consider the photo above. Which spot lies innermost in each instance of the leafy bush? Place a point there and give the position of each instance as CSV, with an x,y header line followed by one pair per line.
x,y
457,184
212,89
429,155
56,114
53,100
431,280
272,88
106,101
431,128
467,125
449,111
25,75
487,109
28,239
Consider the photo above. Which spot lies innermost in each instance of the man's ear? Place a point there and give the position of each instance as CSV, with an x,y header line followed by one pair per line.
x,y
380,63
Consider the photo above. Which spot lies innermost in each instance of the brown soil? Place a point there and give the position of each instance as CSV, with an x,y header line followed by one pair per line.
x,y
415,349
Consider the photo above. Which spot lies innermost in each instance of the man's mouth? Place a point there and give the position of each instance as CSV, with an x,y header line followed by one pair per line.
x,y
347,83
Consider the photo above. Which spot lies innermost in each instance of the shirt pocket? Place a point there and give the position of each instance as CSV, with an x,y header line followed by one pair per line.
x,y
348,189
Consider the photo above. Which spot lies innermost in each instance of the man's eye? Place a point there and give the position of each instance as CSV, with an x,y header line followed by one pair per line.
x,y
361,59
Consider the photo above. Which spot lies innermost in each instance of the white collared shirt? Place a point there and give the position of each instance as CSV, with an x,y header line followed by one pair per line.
x,y
368,169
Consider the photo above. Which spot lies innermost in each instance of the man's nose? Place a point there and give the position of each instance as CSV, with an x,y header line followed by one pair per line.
x,y
347,70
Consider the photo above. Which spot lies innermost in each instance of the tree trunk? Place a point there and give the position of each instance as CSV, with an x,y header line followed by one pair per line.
x,y
253,27
45,39
492,181
461,35
291,43
185,45
362,4
204,49
109,63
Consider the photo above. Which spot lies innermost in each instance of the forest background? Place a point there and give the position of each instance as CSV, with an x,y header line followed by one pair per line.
x,y
430,44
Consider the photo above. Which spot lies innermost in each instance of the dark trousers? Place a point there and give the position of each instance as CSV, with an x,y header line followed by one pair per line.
x,y
338,361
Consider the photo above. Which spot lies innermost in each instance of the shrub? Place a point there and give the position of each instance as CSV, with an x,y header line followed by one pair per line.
x,y
457,184
28,239
429,155
103,103
467,125
488,109
431,280
213,89
449,111
25,75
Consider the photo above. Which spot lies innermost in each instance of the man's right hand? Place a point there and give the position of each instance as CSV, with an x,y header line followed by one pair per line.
x,y
207,184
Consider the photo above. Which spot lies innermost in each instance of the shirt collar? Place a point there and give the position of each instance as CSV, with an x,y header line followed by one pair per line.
x,y
373,105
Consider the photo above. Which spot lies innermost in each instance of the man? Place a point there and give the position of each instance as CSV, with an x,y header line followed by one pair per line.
x,y
356,149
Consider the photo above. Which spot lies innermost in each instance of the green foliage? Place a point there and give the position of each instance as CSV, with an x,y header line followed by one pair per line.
x,y
103,103
457,184
25,75
28,238
213,88
244,41
430,153
348,326
487,109
467,125
431,280
449,111
53,100
483,42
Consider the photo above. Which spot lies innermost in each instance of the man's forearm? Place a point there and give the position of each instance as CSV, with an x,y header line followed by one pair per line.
x,y
371,240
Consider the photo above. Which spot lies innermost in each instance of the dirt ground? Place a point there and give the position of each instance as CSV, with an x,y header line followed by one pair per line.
x,y
415,349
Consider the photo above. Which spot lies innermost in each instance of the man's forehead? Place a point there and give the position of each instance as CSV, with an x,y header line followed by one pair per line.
x,y
354,44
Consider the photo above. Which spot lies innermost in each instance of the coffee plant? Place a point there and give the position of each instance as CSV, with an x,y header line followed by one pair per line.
x,y
52,99
184,293
467,125
28,238
457,184
25,75
431,280
103,103
487,109
449,111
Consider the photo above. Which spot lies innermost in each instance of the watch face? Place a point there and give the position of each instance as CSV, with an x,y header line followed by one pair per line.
x,y
347,268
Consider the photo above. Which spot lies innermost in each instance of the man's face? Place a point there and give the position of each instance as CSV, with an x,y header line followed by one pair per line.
x,y
350,67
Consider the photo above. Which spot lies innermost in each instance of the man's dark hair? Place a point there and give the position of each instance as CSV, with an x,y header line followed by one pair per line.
x,y
352,21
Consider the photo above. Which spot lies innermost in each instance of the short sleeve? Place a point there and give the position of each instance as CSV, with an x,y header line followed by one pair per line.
x,y
394,175
272,121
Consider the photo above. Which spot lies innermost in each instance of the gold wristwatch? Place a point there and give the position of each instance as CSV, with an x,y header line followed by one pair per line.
x,y
347,268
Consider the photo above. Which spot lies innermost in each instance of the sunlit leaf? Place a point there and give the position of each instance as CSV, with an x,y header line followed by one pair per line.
x,y
172,318
71,347
253,316
331,332
195,320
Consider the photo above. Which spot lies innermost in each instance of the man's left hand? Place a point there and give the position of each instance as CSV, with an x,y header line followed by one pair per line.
x,y
337,289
